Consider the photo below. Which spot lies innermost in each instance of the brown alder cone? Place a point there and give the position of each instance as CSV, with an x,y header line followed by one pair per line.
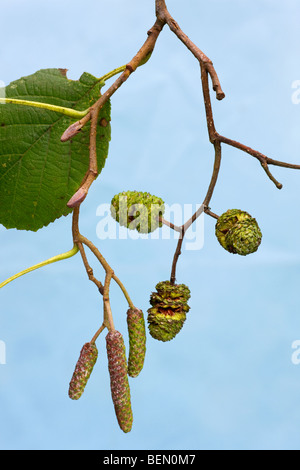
x,y
120,391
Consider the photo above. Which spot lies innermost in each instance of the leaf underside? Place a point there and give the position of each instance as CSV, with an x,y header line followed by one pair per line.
x,y
38,172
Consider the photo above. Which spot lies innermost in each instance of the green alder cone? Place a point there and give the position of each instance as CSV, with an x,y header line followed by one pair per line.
x,y
168,312
238,232
84,367
137,341
137,210
120,391
244,238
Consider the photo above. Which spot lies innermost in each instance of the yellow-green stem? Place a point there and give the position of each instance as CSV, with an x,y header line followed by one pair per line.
x,y
121,69
54,259
73,113
111,74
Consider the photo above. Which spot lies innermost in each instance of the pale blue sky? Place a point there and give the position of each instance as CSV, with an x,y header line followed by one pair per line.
x,y
227,381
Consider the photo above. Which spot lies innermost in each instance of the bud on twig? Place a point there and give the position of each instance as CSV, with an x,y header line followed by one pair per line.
x,y
137,341
85,364
72,130
119,384
77,198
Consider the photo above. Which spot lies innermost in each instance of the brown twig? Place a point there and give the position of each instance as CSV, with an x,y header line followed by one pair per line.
x,y
95,109
210,213
89,270
92,172
263,159
141,55
76,239
163,14
217,163
176,256
108,318
169,224
80,240
215,174
202,208
163,17
97,334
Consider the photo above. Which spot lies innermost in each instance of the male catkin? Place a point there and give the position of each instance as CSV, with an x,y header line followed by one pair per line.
x,y
137,341
120,391
84,367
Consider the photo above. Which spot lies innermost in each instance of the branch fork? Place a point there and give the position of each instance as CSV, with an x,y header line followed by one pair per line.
x,y
163,18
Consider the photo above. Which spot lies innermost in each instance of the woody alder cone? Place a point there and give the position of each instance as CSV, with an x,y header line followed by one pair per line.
x,y
238,232
168,312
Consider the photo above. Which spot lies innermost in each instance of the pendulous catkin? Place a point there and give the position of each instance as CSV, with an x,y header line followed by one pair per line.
x,y
85,364
120,391
137,341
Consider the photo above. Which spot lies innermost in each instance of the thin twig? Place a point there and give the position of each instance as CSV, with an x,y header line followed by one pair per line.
x,y
202,208
88,269
125,293
264,160
217,163
97,334
207,103
216,171
176,257
210,213
81,240
92,172
169,224
76,236
108,318
95,109
141,55
164,15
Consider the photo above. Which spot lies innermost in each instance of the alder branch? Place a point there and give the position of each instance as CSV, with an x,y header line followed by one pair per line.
x,y
141,55
163,17
214,136
203,208
92,172
263,159
176,257
88,268
80,240
169,224
163,14
97,334
108,317
210,213
76,237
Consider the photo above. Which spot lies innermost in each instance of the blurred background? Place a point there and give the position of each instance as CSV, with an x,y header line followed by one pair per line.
x,y
227,381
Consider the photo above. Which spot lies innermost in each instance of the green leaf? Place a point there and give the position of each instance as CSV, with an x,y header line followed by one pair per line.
x,y
38,172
